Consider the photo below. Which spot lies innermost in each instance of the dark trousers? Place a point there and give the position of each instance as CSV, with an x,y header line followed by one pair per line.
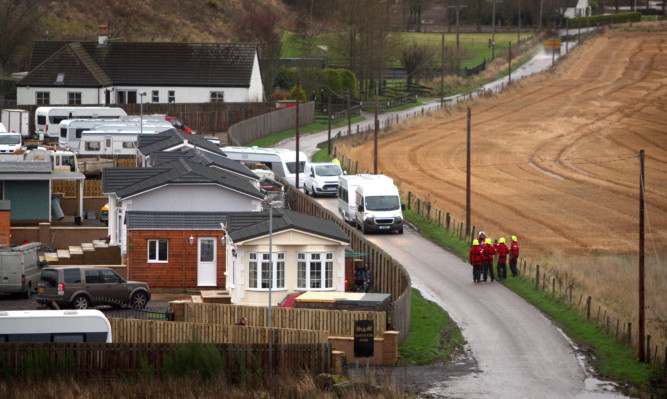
x,y
476,272
488,269
513,268
502,270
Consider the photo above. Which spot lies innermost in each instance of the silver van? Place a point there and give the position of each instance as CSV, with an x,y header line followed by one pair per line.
x,y
19,269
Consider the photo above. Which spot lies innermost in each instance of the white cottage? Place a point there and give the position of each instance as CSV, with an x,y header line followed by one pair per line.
x,y
576,9
114,72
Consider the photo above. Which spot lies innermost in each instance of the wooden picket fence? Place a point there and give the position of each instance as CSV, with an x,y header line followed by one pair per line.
x,y
154,331
336,323
109,360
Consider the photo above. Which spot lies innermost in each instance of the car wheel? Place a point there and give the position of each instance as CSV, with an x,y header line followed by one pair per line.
x,y
81,302
400,231
139,300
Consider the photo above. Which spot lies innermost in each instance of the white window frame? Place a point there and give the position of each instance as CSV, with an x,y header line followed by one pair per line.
x,y
90,146
157,250
171,96
155,96
71,94
260,260
46,95
217,97
304,261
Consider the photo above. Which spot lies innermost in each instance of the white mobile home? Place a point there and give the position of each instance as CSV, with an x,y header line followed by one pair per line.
x,y
72,129
47,119
110,143
281,161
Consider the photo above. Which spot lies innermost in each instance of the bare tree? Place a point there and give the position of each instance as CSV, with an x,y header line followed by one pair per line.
x,y
417,60
19,20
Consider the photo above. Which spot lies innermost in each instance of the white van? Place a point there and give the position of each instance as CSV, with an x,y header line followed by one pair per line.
x,y
16,121
347,206
71,129
280,160
9,142
19,269
47,119
54,326
322,178
378,204
107,142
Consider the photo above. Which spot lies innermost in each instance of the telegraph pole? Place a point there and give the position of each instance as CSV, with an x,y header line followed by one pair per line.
x,y
509,54
375,144
539,25
298,165
468,177
642,351
329,114
518,31
493,24
442,72
349,117
458,9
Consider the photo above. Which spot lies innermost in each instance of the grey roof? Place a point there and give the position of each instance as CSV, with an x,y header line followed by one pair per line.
x,y
125,184
53,175
150,143
142,63
140,220
15,166
204,158
282,220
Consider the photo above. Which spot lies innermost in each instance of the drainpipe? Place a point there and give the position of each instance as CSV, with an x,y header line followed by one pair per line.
x,y
113,221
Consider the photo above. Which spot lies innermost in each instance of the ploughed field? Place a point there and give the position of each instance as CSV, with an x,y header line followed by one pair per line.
x,y
553,160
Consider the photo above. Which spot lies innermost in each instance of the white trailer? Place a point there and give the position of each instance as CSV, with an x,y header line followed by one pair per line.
x,y
54,326
280,160
47,119
72,129
110,143
16,121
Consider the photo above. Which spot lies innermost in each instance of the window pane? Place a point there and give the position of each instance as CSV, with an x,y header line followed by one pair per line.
x,y
301,274
163,248
109,276
315,274
280,275
93,277
252,274
152,250
72,275
206,250
329,275
265,274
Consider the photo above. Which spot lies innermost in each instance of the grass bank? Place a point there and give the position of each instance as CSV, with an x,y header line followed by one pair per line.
x,y
317,126
433,334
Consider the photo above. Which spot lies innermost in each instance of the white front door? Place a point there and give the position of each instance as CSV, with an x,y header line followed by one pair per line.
x,y
207,263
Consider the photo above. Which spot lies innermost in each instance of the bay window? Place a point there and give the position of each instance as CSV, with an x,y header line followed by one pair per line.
x,y
259,270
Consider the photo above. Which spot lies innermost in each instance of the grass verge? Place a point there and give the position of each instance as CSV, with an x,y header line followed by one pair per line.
x,y
404,106
433,334
312,128
613,360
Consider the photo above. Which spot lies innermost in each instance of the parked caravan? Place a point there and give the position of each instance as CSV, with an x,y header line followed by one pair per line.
x,y
378,204
47,119
44,326
280,160
19,269
16,121
322,178
72,129
347,206
107,142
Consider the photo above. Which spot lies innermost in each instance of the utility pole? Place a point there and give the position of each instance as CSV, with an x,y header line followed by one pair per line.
x,y
349,118
539,25
642,351
298,165
375,144
329,114
468,177
518,31
458,9
493,24
509,54
442,72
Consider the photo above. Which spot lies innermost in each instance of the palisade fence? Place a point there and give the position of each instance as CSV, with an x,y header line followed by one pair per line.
x,y
258,127
153,331
207,117
547,281
335,323
389,276
117,359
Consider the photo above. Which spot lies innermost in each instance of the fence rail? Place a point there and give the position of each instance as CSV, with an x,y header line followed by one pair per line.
x,y
87,359
338,323
152,331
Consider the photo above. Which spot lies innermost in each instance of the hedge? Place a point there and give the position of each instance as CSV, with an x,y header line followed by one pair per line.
x,y
605,19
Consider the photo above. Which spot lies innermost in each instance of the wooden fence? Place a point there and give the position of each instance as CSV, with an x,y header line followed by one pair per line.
x,y
69,188
208,117
249,130
88,359
389,276
153,331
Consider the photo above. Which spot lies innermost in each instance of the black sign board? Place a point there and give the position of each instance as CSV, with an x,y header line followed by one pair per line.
x,y
364,338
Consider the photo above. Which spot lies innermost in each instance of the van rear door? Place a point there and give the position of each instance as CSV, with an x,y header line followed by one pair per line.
x,y
11,268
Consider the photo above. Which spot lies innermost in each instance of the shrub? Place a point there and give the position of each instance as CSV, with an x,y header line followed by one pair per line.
x,y
605,19
302,94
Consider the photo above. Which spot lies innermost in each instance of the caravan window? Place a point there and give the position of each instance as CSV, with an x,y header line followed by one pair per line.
x,y
93,145
41,119
78,132
291,166
63,132
75,338
56,119
128,144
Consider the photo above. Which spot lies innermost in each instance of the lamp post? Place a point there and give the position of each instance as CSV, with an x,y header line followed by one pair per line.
x,y
272,204
141,112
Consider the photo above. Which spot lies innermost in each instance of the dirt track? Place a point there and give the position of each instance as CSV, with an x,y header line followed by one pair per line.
x,y
554,159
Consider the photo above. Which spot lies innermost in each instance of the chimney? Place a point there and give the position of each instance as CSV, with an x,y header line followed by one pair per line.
x,y
103,38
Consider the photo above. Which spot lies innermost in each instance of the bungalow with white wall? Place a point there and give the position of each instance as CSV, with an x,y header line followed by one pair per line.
x,y
576,8
115,72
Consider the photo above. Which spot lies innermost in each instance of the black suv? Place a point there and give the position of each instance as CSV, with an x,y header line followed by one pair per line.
x,y
82,287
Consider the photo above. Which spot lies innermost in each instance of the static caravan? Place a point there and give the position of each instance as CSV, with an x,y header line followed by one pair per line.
x,y
280,160
378,204
110,143
71,129
54,326
47,119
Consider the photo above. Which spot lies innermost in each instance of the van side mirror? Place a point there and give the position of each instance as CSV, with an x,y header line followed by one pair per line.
x,y
402,207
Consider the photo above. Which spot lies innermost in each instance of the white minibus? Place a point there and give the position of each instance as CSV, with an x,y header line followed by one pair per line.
x,y
47,119
378,204
280,160
54,326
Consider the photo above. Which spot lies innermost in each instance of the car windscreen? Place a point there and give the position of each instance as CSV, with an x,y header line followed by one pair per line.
x,y
10,139
328,170
383,203
291,166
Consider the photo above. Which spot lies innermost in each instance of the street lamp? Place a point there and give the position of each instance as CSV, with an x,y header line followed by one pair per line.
x,y
141,111
272,204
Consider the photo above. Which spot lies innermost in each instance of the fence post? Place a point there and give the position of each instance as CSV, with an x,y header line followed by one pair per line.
x,y
570,293
617,323
629,332
428,210
553,287
597,318
537,277
419,203
648,348
447,217
409,198
588,308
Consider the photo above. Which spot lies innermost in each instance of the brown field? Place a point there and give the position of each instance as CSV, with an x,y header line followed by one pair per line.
x,y
554,161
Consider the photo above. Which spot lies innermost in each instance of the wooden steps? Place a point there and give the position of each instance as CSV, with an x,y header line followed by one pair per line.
x,y
96,253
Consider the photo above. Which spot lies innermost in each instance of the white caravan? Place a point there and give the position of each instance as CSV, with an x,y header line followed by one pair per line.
x,y
280,160
16,121
47,119
108,142
71,129
322,178
54,326
378,204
